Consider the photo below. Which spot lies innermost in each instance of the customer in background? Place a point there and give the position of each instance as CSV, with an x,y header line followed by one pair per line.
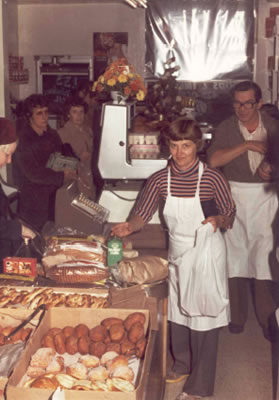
x,y
76,133
84,91
36,182
11,231
239,148
194,195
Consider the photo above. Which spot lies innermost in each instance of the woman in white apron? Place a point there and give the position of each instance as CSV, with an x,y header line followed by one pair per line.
x,y
194,195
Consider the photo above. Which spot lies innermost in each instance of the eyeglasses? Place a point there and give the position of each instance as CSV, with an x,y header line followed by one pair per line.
x,y
248,105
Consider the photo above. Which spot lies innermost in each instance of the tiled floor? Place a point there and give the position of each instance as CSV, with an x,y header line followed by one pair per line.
x,y
244,367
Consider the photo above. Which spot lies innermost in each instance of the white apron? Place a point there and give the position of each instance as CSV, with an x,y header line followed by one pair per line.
x,y
183,216
250,241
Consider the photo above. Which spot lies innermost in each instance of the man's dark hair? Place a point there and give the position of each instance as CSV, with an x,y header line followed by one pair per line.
x,y
34,101
247,85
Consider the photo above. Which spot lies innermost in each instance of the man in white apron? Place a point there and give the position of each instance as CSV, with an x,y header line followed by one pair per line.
x,y
239,147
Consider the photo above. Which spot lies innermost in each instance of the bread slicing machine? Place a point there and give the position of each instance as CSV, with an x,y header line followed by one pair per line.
x,y
123,177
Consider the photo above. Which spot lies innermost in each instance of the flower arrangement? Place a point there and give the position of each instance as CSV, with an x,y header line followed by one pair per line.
x,y
122,78
164,100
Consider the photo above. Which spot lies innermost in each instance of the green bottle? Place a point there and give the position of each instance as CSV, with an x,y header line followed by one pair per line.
x,y
115,251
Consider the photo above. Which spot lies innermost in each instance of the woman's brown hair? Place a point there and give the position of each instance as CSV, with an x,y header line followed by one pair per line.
x,y
182,129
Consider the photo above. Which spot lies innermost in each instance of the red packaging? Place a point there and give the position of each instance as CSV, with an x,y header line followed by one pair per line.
x,y
20,266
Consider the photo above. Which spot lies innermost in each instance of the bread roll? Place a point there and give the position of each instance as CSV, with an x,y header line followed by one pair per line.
x,y
108,322
81,330
128,348
54,331
83,345
48,341
68,331
117,332
132,318
140,347
59,341
136,332
97,349
98,333
71,345
114,347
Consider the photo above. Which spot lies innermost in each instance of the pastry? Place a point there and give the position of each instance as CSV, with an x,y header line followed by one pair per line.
x,y
44,382
122,385
118,361
136,332
42,357
66,381
98,374
77,370
89,361
56,365
123,372
34,372
132,318
108,356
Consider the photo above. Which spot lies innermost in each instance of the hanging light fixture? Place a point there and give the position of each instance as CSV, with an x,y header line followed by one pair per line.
x,y
137,3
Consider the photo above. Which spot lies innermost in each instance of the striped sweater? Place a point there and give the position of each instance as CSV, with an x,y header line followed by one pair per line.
x,y
213,186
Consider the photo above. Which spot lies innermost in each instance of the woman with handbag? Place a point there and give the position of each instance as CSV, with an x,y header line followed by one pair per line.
x,y
194,195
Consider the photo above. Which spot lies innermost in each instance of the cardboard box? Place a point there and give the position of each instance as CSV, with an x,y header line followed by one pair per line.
x,y
55,318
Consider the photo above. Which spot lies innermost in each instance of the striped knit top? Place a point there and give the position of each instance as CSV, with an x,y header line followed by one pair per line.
x,y
213,186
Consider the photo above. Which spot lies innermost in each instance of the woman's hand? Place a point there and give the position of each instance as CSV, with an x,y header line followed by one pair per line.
x,y
219,221
121,230
26,232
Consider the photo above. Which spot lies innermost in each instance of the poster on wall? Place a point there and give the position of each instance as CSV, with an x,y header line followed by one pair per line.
x,y
108,47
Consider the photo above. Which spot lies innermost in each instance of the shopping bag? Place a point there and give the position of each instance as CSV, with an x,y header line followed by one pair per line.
x,y
202,276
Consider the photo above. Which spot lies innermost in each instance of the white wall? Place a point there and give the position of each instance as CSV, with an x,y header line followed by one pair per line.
x,y
68,30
